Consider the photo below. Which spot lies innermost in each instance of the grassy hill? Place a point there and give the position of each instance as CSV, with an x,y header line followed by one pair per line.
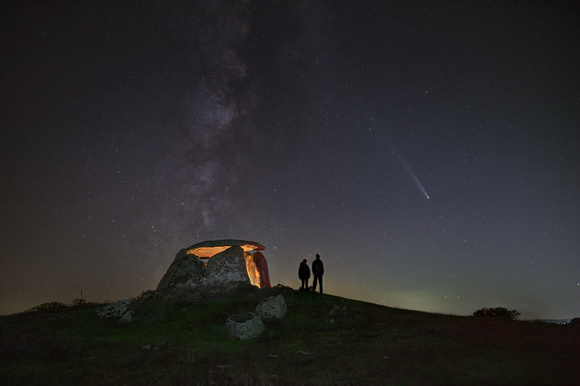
x,y
364,344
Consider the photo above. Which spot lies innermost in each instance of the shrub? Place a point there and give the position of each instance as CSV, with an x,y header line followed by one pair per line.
x,y
498,312
48,307
79,302
146,295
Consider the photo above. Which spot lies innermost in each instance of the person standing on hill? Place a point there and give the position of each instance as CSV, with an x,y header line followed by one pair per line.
x,y
318,271
304,274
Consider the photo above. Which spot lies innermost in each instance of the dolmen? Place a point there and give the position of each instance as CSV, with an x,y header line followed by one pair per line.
x,y
214,268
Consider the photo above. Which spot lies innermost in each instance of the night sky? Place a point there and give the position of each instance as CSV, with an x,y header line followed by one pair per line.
x,y
427,150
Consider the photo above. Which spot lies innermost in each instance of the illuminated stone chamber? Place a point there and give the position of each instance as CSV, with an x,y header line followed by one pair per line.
x,y
216,267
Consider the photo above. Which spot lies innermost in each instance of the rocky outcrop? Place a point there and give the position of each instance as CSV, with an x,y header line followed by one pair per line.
x,y
272,308
120,310
245,326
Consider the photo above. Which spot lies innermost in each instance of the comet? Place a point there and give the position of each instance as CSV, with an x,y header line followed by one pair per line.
x,y
410,172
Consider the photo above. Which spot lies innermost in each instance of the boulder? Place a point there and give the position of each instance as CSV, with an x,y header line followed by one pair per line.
x,y
272,308
120,310
245,326
336,313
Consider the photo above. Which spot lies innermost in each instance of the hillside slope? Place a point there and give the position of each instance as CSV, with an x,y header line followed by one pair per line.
x,y
363,344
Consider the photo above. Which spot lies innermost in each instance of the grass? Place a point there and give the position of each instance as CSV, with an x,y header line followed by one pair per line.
x,y
362,344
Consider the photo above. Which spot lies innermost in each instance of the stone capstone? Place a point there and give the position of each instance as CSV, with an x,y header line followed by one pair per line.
x,y
245,326
120,310
213,268
207,249
272,308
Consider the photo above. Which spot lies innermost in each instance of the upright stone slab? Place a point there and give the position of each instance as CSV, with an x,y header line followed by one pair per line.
x,y
257,268
227,271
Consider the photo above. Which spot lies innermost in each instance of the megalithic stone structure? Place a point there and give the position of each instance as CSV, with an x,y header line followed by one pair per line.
x,y
215,267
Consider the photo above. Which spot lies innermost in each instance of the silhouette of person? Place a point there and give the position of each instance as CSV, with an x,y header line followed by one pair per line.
x,y
304,274
317,271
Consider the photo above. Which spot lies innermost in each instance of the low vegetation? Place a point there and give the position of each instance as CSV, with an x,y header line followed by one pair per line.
x,y
323,340
498,312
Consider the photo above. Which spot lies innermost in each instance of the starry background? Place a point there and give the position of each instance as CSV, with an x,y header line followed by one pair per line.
x,y
428,150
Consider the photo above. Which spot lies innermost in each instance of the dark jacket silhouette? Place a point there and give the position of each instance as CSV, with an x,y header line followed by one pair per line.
x,y
318,271
304,273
